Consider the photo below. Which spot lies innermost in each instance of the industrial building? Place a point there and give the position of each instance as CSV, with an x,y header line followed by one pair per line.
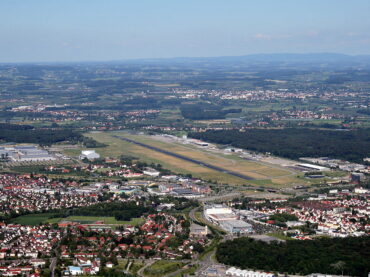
x,y
217,213
198,231
184,192
236,226
25,153
226,219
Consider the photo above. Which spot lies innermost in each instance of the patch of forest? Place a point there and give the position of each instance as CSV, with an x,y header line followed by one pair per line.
x,y
340,256
293,143
205,111
29,134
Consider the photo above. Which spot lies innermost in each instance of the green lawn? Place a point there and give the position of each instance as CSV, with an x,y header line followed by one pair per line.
x,y
35,219
189,271
92,219
279,236
32,219
163,267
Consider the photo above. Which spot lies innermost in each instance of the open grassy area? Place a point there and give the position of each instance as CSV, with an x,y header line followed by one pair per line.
x,y
189,271
35,219
32,219
163,267
279,236
135,265
92,219
264,174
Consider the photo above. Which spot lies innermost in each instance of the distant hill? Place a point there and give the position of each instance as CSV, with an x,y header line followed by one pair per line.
x,y
261,60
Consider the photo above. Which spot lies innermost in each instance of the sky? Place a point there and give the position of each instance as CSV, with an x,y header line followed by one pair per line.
x,y
103,30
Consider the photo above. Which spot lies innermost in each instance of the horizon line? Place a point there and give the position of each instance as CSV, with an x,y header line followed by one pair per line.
x,y
183,57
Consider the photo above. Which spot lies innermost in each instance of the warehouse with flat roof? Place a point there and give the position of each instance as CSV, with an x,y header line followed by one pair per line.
x,y
236,226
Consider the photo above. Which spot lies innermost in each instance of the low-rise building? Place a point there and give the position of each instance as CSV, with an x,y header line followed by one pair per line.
x,y
89,154
236,226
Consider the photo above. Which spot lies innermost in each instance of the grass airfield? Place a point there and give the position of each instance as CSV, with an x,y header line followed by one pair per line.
x,y
264,174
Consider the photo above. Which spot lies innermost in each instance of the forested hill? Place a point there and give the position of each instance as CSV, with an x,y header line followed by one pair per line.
x,y
348,256
293,143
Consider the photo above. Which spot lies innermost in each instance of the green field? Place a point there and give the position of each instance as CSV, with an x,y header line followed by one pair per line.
x,y
264,174
134,267
92,219
36,219
189,271
32,219
163,267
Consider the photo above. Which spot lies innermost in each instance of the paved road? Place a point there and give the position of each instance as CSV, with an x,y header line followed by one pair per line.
x,y
141,270
222,197
192,214
219,169
53,264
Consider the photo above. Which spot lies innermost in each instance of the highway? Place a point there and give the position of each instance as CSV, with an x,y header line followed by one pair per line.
x,y
219,169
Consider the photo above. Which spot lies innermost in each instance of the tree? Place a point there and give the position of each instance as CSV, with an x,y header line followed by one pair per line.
x,y
338,266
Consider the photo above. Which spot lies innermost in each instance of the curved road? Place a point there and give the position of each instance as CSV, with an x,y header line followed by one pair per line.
x,y
219,169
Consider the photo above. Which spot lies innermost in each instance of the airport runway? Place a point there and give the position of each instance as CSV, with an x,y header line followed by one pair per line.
x,y
219,169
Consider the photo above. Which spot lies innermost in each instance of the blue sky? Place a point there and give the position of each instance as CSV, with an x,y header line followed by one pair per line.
x,y
93,30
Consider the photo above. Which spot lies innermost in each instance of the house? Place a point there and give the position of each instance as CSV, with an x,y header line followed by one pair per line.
x,y
38,262
75,270
2,253
109,264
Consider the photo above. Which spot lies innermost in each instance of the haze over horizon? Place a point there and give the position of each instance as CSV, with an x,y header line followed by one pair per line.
x,y
63,31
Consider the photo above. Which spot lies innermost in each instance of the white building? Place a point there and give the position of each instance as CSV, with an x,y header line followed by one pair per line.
x,y
313,167
89,154
219,213
151,172
361,190
25,153
75,270
236,226
247,273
